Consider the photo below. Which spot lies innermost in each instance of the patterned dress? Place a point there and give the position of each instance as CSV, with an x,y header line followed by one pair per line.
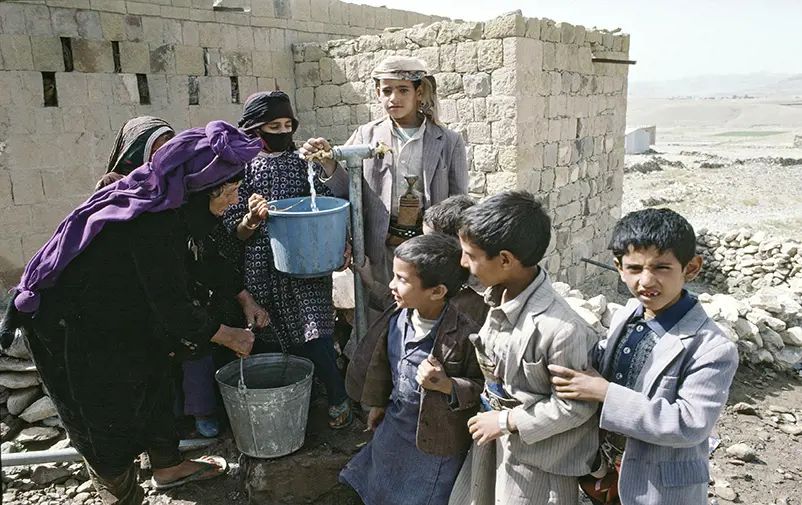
x,y
300,309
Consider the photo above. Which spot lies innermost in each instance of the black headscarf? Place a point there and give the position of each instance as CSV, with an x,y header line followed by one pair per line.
x,y
265,106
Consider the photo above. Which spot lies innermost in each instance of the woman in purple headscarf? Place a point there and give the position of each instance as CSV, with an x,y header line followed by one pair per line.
x,y
108,299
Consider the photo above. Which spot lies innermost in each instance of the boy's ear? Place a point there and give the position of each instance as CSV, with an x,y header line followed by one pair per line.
x,y
693,268
439,292
620,267
507,259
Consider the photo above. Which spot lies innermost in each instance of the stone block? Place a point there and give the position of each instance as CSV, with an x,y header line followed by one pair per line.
x,y
504,132
354,15
117,6
533,28
173,32
162,59
92,56
504,82
37,20
448,111
153,29
27,186
501,181
262,64
89,26
12,18
307,74
113,26
64,22
135,57
325,70
301,10
448,58
328,95
143,9
16,52
507,25
466,57
47,54
134,29
476,85
352,92
210,35
484,158
99,90
341,115
501,107
283,66
477,183
235,63
189,60
448,84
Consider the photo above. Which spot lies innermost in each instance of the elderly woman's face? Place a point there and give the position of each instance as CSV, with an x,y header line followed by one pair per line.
x,y
163,139
223,198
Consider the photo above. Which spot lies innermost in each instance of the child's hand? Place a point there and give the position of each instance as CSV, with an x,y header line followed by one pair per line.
x,y
432,377
586,385
365,271
484,427
347,256
375,417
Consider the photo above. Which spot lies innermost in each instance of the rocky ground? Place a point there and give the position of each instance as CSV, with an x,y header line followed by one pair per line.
x,y
720,191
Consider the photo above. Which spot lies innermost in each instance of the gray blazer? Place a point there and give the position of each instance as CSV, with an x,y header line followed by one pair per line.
x,y
667,421
445,173
555,435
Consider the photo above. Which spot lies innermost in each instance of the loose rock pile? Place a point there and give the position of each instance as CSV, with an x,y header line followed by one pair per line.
x,y
30,423
767,327
742,261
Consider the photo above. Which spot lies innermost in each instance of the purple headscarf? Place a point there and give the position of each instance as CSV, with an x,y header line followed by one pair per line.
x,y
194,160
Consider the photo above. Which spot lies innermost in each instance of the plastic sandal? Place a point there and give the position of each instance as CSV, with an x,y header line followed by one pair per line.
x,y
338,411
212,463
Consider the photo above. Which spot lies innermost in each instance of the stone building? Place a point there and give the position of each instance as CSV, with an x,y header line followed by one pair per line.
x,y
535,110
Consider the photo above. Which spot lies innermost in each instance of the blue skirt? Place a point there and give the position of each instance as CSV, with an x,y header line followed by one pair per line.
x,y
390,470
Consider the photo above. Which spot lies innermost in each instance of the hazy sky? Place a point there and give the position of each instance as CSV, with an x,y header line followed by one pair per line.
x,y
670,38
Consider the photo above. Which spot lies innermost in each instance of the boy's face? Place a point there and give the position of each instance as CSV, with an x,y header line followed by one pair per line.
x,y
656,279
489,271
408,289
399,98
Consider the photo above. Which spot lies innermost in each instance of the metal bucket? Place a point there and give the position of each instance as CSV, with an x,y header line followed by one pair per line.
x,y
307,243
268,416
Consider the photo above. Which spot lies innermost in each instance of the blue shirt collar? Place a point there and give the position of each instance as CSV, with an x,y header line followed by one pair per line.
x,y
669,318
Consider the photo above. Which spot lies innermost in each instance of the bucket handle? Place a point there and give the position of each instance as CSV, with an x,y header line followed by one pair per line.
x,y
241,387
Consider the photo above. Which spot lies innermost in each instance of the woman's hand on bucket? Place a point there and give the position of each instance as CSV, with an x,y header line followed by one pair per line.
x,y
255,315
237,339
347,256
257,209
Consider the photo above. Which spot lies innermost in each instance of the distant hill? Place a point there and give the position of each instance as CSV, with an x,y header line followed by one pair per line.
x,y
756,85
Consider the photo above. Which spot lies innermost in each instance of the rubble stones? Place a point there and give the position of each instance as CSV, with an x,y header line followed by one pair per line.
x,y
41,409
21,399
742,452
37,434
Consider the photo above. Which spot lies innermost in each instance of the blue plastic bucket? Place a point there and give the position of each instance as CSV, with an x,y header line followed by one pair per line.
x,y
306,243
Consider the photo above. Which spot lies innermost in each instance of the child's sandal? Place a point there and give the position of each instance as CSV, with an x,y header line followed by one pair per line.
x,y
342,411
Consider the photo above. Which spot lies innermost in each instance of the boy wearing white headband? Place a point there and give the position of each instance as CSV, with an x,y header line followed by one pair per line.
x,y
428,165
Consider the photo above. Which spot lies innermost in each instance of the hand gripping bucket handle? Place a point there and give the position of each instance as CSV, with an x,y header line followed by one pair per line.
x,y
241,387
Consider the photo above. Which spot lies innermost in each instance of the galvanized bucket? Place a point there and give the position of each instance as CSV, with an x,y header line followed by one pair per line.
x,y
267,400
307,243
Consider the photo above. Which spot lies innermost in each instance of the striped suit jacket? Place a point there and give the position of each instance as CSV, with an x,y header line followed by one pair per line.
x,y
445,173
668,419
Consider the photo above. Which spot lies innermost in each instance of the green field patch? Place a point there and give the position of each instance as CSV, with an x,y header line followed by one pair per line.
x,y
748,134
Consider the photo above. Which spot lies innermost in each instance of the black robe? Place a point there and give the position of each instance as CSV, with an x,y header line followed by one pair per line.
x,y
103,335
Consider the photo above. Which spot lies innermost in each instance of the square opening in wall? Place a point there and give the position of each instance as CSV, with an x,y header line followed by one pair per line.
x,y
194,90
235,89
115,53
49,91
144,92
66,53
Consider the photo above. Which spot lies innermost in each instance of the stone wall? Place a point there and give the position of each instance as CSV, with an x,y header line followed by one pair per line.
x,y
533,108
742,261
72,71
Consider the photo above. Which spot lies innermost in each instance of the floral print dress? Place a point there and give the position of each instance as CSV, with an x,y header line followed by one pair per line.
x,y
300,309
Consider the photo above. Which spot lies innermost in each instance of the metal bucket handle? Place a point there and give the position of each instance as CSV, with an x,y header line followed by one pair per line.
x,y
285,355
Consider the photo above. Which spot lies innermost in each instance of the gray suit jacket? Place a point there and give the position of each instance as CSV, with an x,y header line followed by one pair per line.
x,y
685,384
445,173
555,435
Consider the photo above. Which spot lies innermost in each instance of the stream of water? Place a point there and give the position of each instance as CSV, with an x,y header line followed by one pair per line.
x,y
311,175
